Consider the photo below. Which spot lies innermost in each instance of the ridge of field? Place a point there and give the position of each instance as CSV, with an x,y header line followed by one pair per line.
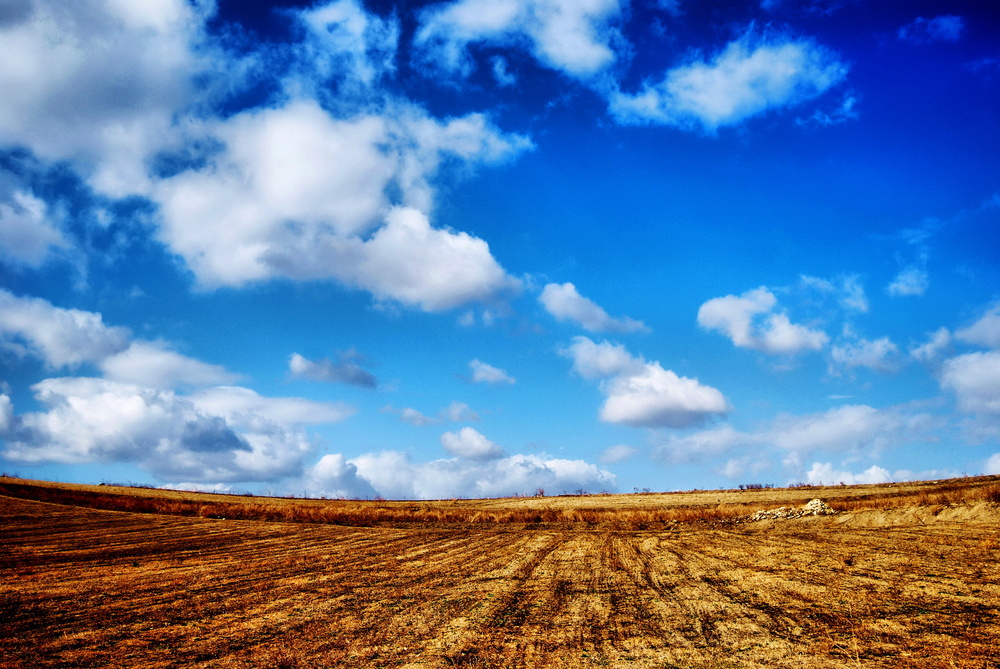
x,y
903,576
635,511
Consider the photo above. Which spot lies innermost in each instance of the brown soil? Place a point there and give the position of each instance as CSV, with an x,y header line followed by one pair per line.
x,y
880,585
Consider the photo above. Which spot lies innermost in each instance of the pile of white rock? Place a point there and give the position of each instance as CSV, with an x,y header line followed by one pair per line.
x,y
816,507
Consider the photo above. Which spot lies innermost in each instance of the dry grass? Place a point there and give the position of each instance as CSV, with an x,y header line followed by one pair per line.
x,y
907,579
644,511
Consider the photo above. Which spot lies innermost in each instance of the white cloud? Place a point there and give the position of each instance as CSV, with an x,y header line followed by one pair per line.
x,y
414,417
155,365
297,193
616,453
985,331
974,378
348,45
59,337
235,402
992,465
701,445
394,476
6,414
639,393
100,81
175,438
571,36
878,354
751,76
658,397
598,361
851,427
485,373
566,304
935,345
824,474
850,293
294,192
334,476
947,28
911,281
854,429
750,322
459,412
853,294
27,234
345,370
469,444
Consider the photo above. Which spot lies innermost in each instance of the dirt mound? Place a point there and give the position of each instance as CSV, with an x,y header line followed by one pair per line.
x,y
982,513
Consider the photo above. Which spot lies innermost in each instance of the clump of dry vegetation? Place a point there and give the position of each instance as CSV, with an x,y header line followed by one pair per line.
x,y
905,575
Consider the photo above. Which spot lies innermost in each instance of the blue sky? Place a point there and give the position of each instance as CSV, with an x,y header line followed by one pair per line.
x,y
480,248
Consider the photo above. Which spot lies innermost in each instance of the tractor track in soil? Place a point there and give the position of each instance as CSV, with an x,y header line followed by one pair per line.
x,y
86,587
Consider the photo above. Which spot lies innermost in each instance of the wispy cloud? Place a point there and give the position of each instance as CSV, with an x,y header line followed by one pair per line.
x,y
945,28
346,369
485,373
750,76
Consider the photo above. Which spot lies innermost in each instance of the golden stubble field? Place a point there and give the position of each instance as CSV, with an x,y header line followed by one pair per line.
x,y
904,575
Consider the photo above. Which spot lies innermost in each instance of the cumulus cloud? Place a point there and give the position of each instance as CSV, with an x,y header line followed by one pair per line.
x,y
28,236
598,361
569,36
469,444
394,475
752,75
640,393
992,465
751,322
946,28
658,397
974,378
59,337
298,193
566,304
335,476
823,473
985,331
100,81
344,370
175,438
333,178
485,373
70,337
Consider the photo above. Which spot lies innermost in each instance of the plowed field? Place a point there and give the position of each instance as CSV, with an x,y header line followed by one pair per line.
x,y
913,587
